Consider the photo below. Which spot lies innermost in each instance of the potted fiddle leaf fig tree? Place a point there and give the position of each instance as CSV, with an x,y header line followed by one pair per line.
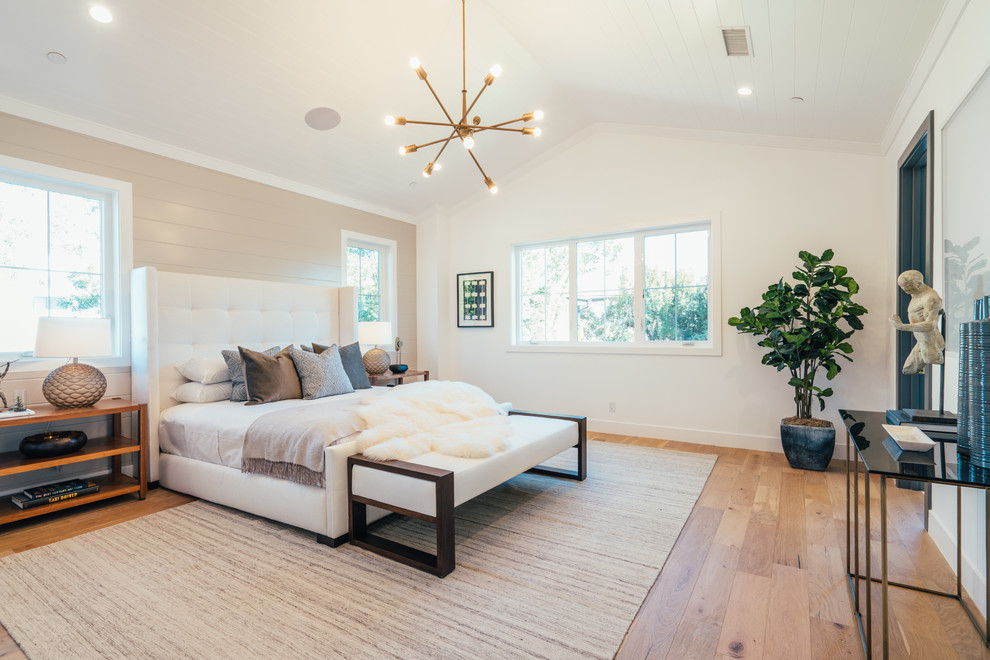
x,y
806,327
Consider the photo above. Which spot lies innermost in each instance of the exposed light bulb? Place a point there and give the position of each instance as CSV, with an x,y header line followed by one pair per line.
x,y
469,142
744,91
537,132
495,71
100,14
491,185
402,151
538,115
414,63
390,120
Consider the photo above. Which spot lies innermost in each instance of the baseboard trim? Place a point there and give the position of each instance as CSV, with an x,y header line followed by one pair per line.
x,y
704,437
945,540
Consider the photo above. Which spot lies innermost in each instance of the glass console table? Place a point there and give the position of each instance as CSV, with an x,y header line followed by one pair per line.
x,y
875,451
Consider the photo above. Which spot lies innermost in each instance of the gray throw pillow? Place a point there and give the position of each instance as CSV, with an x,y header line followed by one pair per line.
x,y
321,374
235,365
270,378
350,355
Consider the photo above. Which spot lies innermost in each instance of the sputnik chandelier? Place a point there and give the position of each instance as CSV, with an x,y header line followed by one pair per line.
x,y
462,129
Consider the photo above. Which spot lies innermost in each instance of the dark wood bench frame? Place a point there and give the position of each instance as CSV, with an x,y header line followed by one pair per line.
x,y
442,563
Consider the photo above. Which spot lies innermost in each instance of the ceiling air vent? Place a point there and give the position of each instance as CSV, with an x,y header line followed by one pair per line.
x,y
737,42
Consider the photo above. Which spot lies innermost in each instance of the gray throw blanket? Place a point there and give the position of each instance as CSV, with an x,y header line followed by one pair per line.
x,y
289,444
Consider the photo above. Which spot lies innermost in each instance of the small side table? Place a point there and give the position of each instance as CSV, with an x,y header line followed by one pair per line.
x,y
397,379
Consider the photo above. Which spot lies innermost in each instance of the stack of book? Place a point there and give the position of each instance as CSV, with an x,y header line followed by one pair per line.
x,y
52,493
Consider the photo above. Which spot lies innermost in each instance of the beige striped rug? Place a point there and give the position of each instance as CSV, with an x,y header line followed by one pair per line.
x,y
546,568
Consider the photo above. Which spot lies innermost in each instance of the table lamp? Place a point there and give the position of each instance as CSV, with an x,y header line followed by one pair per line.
x,y
73,385
375,332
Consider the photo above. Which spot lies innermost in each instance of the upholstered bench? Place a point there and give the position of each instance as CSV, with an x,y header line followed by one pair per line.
x,y
430,486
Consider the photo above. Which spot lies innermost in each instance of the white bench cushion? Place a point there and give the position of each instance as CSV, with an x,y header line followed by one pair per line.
x,y
534,440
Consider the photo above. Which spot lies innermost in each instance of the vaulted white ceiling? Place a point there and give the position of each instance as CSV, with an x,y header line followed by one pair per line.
x,y
232,79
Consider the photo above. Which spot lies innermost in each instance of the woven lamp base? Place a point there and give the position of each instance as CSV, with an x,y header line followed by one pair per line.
x,y
376,361
74,386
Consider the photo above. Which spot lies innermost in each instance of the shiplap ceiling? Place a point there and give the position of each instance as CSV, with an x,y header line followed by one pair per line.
x,y
232,79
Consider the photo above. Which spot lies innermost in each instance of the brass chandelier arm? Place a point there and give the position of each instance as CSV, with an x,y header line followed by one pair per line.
x,y
468,109
476,129
432,91
445,143
430,144
478,164
434,123
497,127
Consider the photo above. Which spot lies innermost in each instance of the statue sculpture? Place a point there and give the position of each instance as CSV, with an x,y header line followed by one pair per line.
x,y
923,311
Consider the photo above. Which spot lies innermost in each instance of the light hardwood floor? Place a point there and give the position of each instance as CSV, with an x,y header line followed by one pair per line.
x,y
757,572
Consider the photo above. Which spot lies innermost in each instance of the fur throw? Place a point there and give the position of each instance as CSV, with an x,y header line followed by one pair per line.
x,y
452,418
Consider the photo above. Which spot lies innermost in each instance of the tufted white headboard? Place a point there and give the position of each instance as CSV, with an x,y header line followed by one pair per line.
x,y
177,316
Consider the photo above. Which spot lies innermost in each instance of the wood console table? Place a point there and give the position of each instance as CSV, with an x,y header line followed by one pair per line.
x,y
865,432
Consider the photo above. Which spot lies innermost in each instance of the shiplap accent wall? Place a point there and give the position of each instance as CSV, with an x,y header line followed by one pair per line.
x,y
196,220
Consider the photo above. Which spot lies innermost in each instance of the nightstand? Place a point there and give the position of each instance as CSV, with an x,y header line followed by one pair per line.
x,y
113,446
389,378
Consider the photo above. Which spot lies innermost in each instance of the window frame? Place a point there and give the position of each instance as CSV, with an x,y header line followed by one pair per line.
x,y
640,346
387,249
118,259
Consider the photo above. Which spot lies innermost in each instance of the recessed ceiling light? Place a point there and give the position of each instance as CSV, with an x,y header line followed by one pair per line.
x,y
56,57
745,91
100,14
797,99
322,119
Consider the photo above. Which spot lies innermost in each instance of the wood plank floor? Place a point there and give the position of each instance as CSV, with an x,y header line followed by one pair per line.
x,y
758,571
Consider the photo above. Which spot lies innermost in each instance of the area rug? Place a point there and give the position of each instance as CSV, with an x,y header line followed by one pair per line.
x,y
546,568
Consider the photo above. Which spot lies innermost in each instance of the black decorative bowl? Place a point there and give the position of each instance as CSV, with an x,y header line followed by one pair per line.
x,y
398,368
56,443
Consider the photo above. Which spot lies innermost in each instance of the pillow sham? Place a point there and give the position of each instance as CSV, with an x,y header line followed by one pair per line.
x,y
235,368
350,355
321,374
200,393
269,378
205,370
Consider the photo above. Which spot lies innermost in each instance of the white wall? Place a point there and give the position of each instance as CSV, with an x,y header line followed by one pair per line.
x,y
772,203
964,59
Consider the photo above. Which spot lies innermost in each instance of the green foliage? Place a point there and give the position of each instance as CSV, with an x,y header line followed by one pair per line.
x,y
800,324
87,294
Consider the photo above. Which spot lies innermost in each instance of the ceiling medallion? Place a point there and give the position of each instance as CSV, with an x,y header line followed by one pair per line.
x,y
462,129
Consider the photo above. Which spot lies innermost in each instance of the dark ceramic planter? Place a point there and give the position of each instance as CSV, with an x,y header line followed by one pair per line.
x,y
807,447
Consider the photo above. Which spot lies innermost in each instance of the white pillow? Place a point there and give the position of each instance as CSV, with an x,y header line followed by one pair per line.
x,y
205,370
200,393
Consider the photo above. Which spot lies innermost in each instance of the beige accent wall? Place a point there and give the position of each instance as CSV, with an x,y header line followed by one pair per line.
x,y
196,220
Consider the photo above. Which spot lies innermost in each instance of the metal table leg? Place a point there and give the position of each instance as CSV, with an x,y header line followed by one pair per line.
x,y
869,573
883,563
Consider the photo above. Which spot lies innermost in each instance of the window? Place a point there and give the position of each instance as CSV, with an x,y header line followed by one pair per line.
x,y
61,252
645,291
370,269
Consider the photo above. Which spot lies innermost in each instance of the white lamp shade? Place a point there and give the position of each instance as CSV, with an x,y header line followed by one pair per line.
x,y
375,332
73,337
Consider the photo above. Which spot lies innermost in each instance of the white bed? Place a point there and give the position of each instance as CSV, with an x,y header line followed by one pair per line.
x,y
178,316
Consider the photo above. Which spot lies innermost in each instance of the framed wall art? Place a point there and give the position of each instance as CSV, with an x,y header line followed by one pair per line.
x,y
475,308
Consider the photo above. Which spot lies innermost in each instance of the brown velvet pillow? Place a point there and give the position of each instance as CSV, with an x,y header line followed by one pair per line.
x,y
269,378
319,348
